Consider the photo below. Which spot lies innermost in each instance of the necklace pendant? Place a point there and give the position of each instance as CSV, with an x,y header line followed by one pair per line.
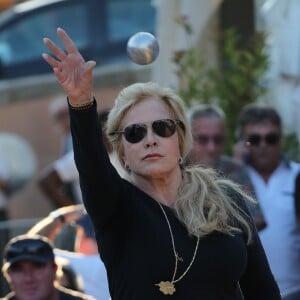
x,y
166,287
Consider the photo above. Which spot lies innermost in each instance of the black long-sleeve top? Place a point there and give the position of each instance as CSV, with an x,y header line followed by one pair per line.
x,y
135,243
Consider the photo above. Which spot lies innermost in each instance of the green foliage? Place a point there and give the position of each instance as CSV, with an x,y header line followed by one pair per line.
x,y
238,81
193,77
291,147
235,83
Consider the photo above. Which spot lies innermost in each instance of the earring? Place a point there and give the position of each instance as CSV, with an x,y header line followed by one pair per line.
x,y
180,161
126,166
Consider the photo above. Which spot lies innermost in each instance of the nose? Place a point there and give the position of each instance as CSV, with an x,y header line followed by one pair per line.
x,y
28,274
150,138
211,145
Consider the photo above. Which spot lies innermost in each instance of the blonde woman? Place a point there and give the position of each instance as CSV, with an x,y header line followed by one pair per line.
x,y
165,232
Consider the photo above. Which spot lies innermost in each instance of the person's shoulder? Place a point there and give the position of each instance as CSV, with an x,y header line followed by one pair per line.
x,y
293,167
234,192
235,170
67,294
231,162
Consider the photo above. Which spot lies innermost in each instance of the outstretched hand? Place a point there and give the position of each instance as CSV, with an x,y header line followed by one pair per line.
x,y
72,71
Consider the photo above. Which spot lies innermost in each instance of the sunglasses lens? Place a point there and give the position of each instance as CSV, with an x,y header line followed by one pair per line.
x,y
164,128
272,138
204,139
254,139
135,133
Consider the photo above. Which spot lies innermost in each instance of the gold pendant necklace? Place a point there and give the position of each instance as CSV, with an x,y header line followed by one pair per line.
x,y
168,287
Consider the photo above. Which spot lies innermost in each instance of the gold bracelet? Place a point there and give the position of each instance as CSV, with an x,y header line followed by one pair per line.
x,y
82,106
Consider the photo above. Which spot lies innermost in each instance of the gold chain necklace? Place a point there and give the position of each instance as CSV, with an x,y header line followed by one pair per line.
x,y
168,287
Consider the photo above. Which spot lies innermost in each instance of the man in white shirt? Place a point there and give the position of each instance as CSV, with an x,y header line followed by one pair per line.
x,y
273,177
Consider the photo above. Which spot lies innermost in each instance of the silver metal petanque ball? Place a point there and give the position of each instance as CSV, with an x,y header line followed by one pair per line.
x,y
142,48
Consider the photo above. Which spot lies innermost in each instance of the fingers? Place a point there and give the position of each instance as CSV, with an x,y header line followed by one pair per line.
x,y
50,60
66,40
59,53
90,65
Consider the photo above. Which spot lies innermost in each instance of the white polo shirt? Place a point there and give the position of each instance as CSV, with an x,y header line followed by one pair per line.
x,y
92,271
281,237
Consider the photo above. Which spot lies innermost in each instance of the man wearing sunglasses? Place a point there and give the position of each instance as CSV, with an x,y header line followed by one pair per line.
x,y
208,127
30,269
273,177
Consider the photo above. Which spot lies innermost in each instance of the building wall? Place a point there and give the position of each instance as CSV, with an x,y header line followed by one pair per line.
x,y
203,17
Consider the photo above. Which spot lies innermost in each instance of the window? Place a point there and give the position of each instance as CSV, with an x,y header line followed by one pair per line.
x,y
23,41
128,17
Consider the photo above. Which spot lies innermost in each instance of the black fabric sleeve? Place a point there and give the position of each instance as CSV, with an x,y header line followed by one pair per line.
x,y
257,281
100,183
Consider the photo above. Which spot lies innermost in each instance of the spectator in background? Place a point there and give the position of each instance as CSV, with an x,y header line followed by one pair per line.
x,y
17,167
84,260
30,269
59,180
64,171
58,111
208,127
273,177
53,178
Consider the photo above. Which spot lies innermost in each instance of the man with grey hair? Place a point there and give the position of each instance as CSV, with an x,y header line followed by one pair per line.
x,y
208,127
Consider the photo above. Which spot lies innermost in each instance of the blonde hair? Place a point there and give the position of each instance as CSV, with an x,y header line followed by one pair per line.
x,y
205,202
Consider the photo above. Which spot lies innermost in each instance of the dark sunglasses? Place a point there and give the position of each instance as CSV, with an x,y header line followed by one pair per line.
x,y
256,139
134,133
204,139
